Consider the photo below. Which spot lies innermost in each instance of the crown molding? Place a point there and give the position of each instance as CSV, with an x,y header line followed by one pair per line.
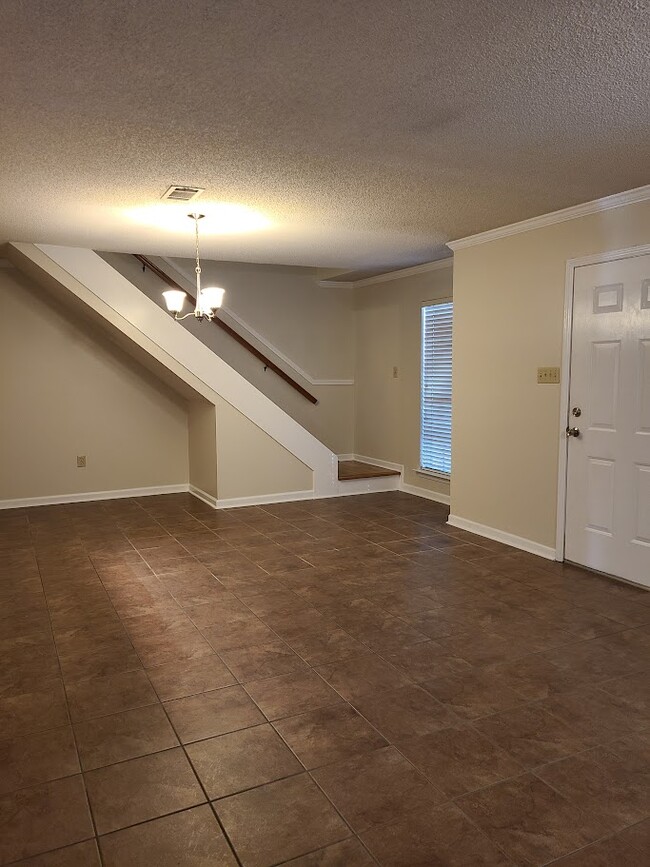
x,y
618,200
389,275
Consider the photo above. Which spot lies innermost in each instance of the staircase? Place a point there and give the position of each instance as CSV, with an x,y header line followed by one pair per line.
x,y
234,422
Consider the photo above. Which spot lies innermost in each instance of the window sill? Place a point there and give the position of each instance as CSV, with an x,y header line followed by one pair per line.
x,y
434,474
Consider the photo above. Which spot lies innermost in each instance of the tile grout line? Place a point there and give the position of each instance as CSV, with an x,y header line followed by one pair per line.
x,y
312,667
65,692
187,758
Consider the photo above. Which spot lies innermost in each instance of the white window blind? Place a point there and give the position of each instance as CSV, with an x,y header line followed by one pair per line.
x,y
435,429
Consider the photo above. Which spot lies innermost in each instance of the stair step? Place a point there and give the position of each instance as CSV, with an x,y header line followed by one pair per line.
x,y
349,470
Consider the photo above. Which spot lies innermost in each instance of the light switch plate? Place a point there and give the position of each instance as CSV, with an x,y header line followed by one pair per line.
x,y
548,374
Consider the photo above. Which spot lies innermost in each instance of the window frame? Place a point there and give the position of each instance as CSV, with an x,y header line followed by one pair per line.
x,y
425,471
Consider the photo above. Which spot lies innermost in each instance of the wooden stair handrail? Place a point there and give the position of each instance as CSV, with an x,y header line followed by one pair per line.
x,y
147,263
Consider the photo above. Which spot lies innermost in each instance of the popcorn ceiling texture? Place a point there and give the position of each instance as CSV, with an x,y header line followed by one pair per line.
x,y
369,131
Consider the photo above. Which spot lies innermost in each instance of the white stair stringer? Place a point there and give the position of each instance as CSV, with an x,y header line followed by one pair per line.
x,y
123,305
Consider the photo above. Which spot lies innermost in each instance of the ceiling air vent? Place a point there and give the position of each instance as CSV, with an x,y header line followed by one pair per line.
x,y
179,193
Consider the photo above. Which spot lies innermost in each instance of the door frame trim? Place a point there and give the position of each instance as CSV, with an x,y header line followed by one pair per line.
x,y
565,374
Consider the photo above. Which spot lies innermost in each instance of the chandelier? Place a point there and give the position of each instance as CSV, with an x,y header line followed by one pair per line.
x,y
208,300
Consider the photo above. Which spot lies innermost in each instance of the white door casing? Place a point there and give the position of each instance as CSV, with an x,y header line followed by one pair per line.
x,y
607,524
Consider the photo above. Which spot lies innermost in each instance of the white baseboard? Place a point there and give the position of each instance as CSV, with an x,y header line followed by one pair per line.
x,y
89,496
437,497
202,495
387,465
500,536
264,499
364,459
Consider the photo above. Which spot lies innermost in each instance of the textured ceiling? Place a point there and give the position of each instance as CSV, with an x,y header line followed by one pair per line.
x,y
368,132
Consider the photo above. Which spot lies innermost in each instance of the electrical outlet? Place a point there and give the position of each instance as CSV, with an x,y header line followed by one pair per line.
x,y
81,460
548,374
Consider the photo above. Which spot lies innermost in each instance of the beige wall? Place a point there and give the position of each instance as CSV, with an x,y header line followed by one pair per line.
x,y
387,410
250,463
508,309
65,391
202,422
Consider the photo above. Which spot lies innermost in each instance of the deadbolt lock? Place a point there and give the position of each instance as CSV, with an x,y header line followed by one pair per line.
x,y
576,411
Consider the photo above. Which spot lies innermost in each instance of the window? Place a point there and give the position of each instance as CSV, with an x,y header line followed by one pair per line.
x,y
435,399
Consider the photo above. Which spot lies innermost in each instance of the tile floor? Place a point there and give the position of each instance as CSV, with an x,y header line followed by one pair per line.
x,y
341,682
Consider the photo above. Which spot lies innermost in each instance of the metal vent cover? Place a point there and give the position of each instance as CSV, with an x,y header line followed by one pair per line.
x,y
182,193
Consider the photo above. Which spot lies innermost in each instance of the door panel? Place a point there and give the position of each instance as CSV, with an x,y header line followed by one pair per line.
x,y
608,469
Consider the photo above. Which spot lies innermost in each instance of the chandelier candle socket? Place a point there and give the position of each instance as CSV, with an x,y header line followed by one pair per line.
x,y
208,300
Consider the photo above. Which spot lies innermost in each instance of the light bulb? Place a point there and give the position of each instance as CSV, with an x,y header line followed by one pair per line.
x,y
211,298
174,299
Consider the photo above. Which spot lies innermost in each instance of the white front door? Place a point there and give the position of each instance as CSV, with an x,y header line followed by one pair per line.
x,y
608,477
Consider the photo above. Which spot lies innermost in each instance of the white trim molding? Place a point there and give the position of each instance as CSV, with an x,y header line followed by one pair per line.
x,y
387,276
90,496
251,332
264,499
425,493
364,459
208,499
618,200
520,542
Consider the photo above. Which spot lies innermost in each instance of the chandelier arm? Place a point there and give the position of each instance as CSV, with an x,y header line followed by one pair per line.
x,y
197,269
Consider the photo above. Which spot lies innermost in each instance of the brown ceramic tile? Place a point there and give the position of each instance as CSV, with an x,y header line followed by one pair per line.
x,y
189,677
634,690
37,758
280,821
99,696
213,713
33,711
115,738
609,786
459,759
43,817
192,838
531,735
443,836
291,694
262,660
638,836
175,643
241,760
328,735
612,852
240,629
596,715
484,629
531,822
534,677
376,788
473,694
348,853
78,855
353,678
323,645
427,660
405,712
141,789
